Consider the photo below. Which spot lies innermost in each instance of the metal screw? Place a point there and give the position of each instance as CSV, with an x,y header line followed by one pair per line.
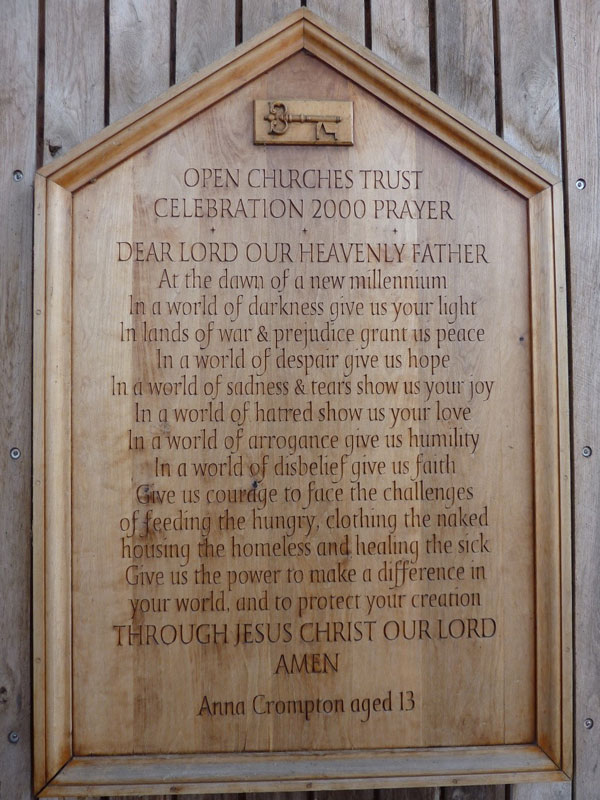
x,y
18,175
15,453
13,737
586,451
580,183
588,723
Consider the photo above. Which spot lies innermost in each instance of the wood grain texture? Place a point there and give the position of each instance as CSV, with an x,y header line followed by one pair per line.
x,y
18,74
348,17
452,125
400,34
39,391
257,15
98,447
56,539
297,31
158,797
292,796
205,32
475,793
351,794
139,53
581,64
410,794
96,303
541,791
546,447
276,796
565,478
529,80
18,59
465,58
74,75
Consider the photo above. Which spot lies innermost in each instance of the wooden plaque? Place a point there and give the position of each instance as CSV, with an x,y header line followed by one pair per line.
x,y
301,475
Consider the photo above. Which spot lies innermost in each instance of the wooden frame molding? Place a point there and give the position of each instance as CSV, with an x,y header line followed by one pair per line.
x,y
59,771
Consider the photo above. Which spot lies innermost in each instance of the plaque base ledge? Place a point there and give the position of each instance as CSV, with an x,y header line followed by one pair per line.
x,y
302,771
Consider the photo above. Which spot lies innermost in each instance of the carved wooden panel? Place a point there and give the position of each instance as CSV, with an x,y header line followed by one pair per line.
x,y
302,498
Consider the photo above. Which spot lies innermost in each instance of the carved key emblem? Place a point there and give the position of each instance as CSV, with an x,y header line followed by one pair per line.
x,y
279,118
287,121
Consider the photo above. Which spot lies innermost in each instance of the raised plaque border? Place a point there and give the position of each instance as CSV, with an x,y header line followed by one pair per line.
x,y
60,772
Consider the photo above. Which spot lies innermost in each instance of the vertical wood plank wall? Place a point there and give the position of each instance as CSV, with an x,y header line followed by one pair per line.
x,y
526,69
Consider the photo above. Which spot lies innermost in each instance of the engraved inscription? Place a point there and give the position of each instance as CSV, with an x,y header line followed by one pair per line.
x,y
313,367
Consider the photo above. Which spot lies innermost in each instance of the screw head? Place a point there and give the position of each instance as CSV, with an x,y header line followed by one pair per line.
x,y
580,183
15,453
588,723
13,737
586,451
18,175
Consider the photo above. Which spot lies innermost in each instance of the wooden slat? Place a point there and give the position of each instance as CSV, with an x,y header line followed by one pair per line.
x,y
140,127
259,14
475,793
566,508
465,78
581,65
410,794
400,34
74,75
139,53
18,71
292,796
351,794
39,389
348,17
205,32
452,126
529,79
465,58
274,796
541,791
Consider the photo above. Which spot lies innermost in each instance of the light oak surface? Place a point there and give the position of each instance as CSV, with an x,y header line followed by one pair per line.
x,y
576,27
111,293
